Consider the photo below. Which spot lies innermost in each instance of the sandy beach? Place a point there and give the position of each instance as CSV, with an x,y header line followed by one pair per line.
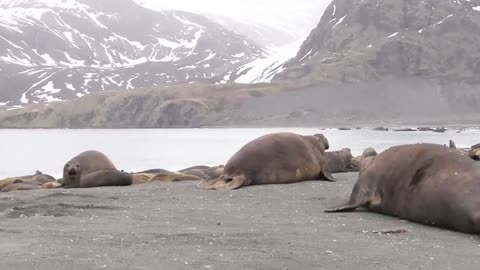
x,y
178,226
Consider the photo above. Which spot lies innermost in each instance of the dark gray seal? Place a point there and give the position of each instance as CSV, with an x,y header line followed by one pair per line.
x,y
110,177
424,183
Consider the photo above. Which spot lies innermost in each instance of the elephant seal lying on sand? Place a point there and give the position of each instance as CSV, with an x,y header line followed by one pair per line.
x,y
425,183
111,177
38,178
339,161
277,158
85,163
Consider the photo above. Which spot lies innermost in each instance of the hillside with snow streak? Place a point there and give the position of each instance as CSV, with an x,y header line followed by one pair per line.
x,y
60,50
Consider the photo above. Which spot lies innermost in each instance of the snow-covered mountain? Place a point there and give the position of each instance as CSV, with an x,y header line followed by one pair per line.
x,y
61,49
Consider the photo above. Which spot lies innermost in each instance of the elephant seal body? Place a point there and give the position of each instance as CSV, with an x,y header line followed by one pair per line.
x,y
141,178
85,163
277,158
38,178
174,177
19,185
111,177
155,171
339,161
196,172
424,183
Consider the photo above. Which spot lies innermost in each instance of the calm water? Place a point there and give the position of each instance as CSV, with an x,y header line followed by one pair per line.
x,y
24,151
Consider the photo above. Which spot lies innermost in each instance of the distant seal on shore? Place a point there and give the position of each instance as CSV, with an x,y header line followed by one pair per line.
x,y
205,172
339,161
141,178
174,177
155,171
277,158
38,178
19,185
83,164
424,183
109,177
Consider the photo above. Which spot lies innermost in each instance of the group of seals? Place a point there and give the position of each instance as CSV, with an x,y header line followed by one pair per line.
x,y
424,183
277,158
27,182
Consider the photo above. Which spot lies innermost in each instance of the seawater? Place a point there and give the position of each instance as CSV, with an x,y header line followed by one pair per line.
x,y
23,151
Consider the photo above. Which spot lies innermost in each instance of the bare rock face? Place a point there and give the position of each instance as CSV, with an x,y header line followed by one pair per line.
x,y
360,40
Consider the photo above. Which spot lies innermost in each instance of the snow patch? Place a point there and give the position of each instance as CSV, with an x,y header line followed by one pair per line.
x,y
392,35
264,69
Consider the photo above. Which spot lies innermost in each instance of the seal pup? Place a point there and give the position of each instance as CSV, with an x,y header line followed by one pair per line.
x,y
425,183
83,164
277,158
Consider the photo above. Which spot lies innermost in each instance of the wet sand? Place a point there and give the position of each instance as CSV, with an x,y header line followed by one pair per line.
x,y
178,226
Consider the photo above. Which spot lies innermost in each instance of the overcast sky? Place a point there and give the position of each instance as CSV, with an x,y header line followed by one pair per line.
x,y
302,13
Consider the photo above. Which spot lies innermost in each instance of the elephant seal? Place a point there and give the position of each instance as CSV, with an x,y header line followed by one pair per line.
x,y
474,154
196,172
154,171
141,178
424,183
174,177
38,178
51,185
109,177
277,158
198,167
85,163
18,184
205,172
339,161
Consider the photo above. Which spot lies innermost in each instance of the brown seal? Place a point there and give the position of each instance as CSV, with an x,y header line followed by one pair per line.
x,y
109,177
38,178
339,161
19,185
174,177
83,164
277,158
142,178
425,183
205,172
154,171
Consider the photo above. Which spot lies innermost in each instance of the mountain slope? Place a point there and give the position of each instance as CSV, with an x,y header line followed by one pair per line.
x,y
373,39
60,50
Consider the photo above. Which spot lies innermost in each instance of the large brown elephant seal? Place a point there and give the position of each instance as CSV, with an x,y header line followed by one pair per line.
x,y
339,161
109,177
425,183
83,164
277,158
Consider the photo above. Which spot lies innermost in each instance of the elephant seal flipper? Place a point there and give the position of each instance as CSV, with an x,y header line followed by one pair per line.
x,y
357,199
327,176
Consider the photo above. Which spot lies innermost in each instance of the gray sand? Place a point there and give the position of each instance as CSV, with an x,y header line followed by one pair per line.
x,y
177,226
